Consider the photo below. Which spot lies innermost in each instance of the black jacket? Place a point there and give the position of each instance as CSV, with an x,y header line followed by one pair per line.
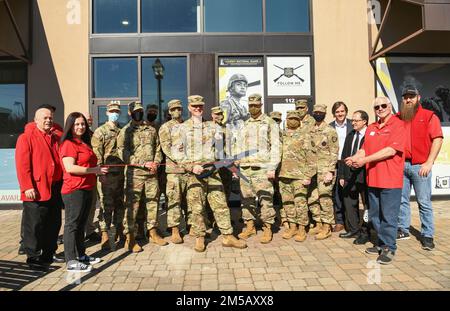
x,y
349,125
357,175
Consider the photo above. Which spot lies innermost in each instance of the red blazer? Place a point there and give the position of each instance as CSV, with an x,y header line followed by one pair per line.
x,y
35,163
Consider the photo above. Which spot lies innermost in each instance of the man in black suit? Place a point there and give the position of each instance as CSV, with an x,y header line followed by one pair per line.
x,y
353,181
343,126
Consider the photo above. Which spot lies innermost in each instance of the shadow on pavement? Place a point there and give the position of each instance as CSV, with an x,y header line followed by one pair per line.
x,y
15,275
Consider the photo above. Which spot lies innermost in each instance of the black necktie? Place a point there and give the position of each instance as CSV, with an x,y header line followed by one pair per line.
x,y
355,146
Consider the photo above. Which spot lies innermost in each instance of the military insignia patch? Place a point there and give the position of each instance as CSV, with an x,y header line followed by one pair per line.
x,y
334,139
313,144
324,143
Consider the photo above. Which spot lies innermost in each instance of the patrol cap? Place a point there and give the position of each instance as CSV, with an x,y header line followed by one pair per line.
x,y
152,106
410,90
292,114
133,106
275,115
320,108
216,110
236,77
254,99
196,100
174,103
113,105
301,103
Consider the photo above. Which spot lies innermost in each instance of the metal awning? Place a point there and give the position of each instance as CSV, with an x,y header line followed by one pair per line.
x,y
25,56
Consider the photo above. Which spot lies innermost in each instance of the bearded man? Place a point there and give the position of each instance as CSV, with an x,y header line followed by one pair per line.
x,y
423,143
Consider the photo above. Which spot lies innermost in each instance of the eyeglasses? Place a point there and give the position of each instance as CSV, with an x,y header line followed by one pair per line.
x,y
377,107
354,121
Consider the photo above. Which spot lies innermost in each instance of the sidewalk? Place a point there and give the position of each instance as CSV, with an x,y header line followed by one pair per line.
x,y
333,264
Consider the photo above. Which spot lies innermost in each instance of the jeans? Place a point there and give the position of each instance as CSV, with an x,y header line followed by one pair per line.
x,y
77,207
383,213
422,188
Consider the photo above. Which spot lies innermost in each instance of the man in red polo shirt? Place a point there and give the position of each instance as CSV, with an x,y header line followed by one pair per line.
x,y
383,155
423,143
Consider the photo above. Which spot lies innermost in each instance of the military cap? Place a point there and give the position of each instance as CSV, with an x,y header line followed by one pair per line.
x,y
254,98
113,105
320,108
275,115
234,78
410,90
174,103
196,100
152,106
216,110
133,106
292,114
301,103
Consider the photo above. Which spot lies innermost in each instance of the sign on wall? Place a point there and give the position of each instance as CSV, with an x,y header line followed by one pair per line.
x,y
289,76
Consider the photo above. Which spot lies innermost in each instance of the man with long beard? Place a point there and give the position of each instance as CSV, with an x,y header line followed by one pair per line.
x,y
423,142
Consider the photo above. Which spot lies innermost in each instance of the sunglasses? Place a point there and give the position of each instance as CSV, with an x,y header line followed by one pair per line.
x,y
382,106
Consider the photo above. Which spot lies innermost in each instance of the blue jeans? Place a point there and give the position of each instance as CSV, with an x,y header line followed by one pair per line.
x,y
383,213
422,188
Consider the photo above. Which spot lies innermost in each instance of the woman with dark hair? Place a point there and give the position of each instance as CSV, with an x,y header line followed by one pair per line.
x,y
80,169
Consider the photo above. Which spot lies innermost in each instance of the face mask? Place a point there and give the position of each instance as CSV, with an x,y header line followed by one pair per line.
x,y
254,111
219,119
319,117
302,112
293,124
137,115
113,116
151,117
175,114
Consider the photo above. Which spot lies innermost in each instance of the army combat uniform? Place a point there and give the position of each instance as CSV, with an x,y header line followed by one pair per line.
x,y
104,145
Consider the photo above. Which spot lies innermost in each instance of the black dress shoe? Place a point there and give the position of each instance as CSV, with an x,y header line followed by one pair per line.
x,y
361,239
348,235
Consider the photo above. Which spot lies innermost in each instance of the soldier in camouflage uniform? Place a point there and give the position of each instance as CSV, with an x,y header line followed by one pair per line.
x,y
177,178
104,145
235,113
295,176
139,147
324,148
198,139
260,133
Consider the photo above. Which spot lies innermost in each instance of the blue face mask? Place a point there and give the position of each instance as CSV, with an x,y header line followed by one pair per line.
x,y
113,116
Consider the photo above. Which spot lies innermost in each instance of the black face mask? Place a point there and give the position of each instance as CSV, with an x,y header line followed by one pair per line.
x,y
319,117
137,115
151,117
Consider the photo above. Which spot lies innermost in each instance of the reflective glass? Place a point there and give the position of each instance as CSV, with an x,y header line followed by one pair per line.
x,y
233,16
170,15
287,15
115,77
114,16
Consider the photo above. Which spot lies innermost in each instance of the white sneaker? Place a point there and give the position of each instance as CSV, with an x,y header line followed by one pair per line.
x,y
89,260
76,266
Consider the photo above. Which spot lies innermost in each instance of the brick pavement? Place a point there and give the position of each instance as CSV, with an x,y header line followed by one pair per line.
x,y
333,264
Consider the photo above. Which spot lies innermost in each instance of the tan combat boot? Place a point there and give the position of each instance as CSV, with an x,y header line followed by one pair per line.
x,y
105,241
156,238
267,234
288,234
325,233
229,240
200,244
176,237
248,231
301,234
316,229
131,244
286,226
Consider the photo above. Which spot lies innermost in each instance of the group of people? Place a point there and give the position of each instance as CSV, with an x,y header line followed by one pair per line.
x,y
314,166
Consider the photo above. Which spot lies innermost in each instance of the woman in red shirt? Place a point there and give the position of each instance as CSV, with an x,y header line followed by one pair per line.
x,y
80,169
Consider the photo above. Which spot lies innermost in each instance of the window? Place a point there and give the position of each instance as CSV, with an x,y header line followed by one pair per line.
x,y
115,78
12,103
287,15
114,16
233,16
173,85
170,15
124,117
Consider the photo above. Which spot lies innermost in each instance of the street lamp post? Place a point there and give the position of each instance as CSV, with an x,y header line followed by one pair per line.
x,y
158,70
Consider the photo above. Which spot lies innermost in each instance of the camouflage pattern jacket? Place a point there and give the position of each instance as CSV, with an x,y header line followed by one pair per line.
x,y
171,144
295,160
104,145
324,148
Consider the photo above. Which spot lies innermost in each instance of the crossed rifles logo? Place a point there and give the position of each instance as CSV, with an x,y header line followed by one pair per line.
x,y
288,72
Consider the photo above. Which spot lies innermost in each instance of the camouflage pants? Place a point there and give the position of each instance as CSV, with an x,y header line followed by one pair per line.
x,y
138,187
260,188
110,195
320,202
293,193
176,189
200,191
